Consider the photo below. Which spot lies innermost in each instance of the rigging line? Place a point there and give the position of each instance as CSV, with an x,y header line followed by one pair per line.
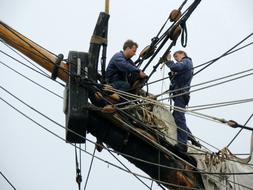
x,y
201,116
45,58
231,52
239,131
84,150
69,129
223,54
184,16
16,34
78,169
206,82
195,113
80,158
180,8
163,71
150,128
91,163
211,118
171,91
8,181
156,103
157,132
23,57
155,81
22,63
112,150
29,67
187,170
220,105
128,169
213,85
58,123
69,73
31,80
41,55
165,37
183,161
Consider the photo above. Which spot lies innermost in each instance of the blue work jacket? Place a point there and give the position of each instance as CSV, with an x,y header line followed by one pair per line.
x,y
119,67
182,73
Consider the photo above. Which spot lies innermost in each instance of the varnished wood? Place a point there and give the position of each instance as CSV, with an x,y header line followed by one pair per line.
x,y
32,50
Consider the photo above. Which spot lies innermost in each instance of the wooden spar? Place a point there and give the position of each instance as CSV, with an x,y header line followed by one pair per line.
x,y
107,6
40,55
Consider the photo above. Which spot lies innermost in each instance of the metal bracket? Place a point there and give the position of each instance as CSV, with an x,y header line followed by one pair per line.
x,y
56,66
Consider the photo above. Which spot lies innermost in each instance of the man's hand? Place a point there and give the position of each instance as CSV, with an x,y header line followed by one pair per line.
x,y
169,57
143,75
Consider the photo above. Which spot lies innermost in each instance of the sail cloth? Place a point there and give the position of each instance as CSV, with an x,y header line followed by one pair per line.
x,y
221,170
224,162
159,118
169,130
230,171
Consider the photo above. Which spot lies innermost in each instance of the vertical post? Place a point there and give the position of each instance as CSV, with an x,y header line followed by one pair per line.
x,y
107,4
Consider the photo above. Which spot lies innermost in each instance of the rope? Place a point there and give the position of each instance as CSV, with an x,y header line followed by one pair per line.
x,y
213,85
239,131
22,63
78,170
75,132
40,54
223,54
206,82
19,54
62,126
138,98
216,119
165,37
231,52
88,175
8,181
219,104
30,80
204,116
129,170
215,59
163,70
86,151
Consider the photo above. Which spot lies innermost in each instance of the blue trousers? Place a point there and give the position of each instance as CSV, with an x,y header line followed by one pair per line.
x,y
121,85
182,136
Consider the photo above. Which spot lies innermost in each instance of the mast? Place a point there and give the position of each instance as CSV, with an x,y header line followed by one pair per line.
x,y
40,55
112,129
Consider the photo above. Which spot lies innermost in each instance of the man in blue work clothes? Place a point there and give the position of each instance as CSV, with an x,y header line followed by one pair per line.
x,y
181,76
121,67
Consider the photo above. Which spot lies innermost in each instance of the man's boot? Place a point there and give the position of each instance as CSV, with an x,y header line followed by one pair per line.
x,y
181,147
194,141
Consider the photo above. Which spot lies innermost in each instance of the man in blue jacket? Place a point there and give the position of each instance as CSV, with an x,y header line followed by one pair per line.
x,y
121,67
181,76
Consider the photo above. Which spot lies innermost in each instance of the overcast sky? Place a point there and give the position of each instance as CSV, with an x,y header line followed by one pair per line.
x,y
34,159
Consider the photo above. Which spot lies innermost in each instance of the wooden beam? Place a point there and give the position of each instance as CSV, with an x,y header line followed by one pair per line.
x,y
40,55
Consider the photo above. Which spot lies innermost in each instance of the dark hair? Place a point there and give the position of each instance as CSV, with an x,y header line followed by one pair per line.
x,y
129,44
180,52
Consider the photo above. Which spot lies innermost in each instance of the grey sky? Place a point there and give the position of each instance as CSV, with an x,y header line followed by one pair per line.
x,y
34,159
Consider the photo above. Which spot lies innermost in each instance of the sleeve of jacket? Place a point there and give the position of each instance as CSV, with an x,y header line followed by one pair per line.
x,y
123,65
177,67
